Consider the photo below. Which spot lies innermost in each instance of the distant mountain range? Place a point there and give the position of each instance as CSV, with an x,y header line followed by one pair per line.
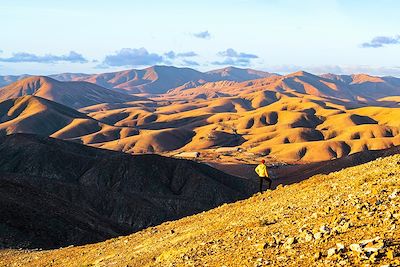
x,y
357,88
153,80
188,82
160,79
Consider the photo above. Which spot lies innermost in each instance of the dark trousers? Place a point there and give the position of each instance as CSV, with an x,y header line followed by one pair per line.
x,y
269,181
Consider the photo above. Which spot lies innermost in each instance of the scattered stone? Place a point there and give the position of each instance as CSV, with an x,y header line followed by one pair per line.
x,y
343,262
271,242
325,229
327,209
290,241
356,248
261,246
369,241
265,222
394,194
331,252
340,247
373,257
317,255
318,235
308,237
373,247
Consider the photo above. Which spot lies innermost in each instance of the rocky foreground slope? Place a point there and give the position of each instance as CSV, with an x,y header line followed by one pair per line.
x,y
346,218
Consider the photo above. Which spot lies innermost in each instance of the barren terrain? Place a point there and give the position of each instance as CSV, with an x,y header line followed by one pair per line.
x,y
297,118
346,218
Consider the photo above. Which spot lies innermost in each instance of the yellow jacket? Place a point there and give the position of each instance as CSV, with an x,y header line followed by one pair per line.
x,y
261,170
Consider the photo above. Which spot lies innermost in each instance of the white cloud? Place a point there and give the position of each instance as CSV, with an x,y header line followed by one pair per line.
x,y
381,41
202,35
19,57
131,57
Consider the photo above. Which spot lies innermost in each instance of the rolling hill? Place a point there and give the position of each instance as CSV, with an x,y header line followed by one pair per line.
x,y
298,117
32,114
280,126
72,94
68,194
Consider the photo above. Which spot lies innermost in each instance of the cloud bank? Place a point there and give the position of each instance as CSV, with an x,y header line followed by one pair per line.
x,y
186,62
232,57
173,55
132,57
72,57
137,57
381,41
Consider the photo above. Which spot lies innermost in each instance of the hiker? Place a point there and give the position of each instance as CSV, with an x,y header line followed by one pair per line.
x,y
262,172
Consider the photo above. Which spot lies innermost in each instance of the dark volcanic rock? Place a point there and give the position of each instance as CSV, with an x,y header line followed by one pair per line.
x,y
32,217
56,193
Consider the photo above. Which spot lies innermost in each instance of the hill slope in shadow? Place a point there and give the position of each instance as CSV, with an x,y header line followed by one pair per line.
x,y
57,193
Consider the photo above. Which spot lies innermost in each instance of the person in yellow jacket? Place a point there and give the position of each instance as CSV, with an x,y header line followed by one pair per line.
x,y
262,172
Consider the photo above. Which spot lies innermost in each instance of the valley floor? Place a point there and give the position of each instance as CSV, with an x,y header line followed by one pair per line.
x,y
346,218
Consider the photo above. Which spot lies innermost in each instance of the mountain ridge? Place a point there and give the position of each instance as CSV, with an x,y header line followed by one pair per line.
x,y
353,88
159,79
75,94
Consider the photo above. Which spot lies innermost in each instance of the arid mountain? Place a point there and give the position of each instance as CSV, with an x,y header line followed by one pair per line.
x,y
228,81
368,87
160,79
356,89
68,77
346,218
8,79
299,117
153,80
32,114
72,94
66,193
237,74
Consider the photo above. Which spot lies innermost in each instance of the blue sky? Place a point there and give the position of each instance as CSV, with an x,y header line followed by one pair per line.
x,y
44,37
